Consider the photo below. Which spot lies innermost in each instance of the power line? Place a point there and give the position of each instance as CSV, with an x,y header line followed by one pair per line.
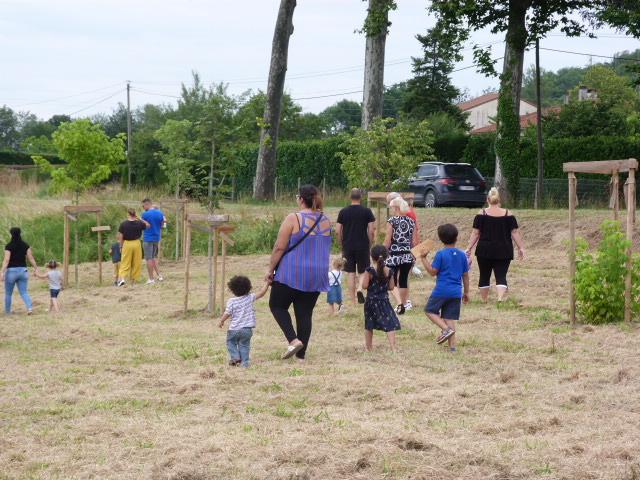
x,y
155,93
97,102
592,55
68,96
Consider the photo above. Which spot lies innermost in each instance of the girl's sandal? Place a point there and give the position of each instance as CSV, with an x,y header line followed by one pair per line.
x,y
292,350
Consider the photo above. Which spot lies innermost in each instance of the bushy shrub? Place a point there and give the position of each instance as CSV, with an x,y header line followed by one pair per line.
x,y
600,277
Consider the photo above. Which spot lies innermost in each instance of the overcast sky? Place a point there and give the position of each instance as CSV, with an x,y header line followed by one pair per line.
x,y
52,49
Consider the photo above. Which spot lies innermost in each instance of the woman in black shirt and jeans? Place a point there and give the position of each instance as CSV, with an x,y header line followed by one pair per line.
x,y
14,270
494,231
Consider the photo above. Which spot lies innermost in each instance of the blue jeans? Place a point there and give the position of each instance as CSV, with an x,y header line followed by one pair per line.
x,y
13,276
239,344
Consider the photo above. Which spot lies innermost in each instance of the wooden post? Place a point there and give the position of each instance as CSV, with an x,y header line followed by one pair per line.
x,y
177,230
378,219
187,263
572,247
615,195
631,206
99,249
75,253
65,254
185,207
275,189
215,270
324,189
223,273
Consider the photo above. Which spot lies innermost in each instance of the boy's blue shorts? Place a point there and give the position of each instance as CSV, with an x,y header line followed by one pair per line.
x,y
447,307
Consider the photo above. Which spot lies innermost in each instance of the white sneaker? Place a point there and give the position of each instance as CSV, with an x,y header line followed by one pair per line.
x,y
121,283
150,281
408,305
160,279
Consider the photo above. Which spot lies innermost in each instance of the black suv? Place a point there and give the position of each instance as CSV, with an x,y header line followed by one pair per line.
x,y
455,184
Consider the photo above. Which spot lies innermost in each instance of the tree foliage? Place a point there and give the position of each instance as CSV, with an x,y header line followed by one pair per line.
x,y
90,156
387,154
180,150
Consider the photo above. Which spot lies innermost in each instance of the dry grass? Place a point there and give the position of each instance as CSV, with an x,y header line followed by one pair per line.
x,y
121,385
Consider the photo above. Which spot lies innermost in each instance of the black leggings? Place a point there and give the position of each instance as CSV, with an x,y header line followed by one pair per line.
x,y
401,275
499,268
281,298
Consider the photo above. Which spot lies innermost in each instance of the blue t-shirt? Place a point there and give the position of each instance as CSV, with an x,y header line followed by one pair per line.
x,y
155,218
451,264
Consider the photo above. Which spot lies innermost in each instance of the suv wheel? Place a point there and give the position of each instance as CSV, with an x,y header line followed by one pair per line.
x,y
430,199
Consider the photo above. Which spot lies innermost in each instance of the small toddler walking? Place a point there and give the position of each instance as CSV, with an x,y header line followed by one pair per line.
x,y
55,284
378,312
451,267
241,311
334,295
115,252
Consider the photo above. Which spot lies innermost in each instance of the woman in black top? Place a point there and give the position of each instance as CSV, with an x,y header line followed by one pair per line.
x,y
14,270
494,231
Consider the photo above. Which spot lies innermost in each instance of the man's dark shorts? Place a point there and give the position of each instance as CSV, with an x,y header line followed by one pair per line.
x,y
356,260
150,250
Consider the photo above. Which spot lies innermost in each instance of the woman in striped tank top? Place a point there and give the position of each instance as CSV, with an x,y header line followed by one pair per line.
x,y
299,269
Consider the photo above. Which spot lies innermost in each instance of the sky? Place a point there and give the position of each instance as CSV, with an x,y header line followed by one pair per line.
x,y
75,56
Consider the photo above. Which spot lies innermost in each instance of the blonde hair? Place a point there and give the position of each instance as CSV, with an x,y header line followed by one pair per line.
x,y
338,263
400,204
493,197
391,196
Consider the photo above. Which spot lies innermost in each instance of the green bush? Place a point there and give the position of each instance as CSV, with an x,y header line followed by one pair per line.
x,y
600,277
11,157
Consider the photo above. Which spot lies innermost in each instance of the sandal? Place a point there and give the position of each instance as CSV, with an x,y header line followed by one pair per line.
x,y
292,350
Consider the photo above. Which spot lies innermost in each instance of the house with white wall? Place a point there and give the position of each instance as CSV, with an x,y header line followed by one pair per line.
x,y
482,111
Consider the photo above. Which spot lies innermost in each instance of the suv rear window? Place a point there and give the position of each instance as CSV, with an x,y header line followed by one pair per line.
x,y
461,171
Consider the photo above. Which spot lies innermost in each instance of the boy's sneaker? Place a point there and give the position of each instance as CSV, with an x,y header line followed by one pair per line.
x,y
445,335
408,305
121,283
342,308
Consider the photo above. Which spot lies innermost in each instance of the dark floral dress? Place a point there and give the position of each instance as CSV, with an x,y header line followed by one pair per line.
x,y
378,312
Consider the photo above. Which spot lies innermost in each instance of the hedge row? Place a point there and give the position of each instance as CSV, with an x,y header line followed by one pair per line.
x,y
479,152
10,157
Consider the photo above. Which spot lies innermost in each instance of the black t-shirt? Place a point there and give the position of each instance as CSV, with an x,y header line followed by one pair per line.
x,y
132,229
18,254
495,236
355,220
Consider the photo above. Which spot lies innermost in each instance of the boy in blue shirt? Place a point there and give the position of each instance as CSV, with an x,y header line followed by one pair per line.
x,y
451,267
151,240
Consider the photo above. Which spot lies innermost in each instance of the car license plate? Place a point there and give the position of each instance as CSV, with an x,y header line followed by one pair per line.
x,y
467,187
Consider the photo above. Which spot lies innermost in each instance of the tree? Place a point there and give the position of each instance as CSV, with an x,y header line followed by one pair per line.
x,y
585,119
266,165
387,154
178,141
342,116
430,90
376,28
612,89
523,22
8,128
41,145
90,156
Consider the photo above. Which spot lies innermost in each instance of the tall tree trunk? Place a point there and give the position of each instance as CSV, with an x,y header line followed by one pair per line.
x,y
508,134
372,102
263,188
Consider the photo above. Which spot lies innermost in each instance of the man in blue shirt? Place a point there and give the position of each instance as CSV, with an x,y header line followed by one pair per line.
x,y
151,240
451,267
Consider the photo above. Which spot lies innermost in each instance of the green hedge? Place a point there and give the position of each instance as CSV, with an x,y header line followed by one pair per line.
x,y
11,157
479,152
310,161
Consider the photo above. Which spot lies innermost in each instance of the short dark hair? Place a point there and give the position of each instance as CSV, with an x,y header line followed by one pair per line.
x,y
131,211
356,194
52,264
146,200
448,234
239,285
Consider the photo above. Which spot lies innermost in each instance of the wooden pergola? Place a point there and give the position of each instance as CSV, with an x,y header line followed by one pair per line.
x,y
613,168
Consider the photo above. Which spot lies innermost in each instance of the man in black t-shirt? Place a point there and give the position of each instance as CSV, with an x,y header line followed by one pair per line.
x,y
355,229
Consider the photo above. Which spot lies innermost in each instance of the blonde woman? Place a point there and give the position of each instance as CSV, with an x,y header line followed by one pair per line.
x,y
400,237
494,232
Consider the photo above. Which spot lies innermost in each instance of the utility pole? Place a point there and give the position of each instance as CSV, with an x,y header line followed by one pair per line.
x,y
540,182
128,135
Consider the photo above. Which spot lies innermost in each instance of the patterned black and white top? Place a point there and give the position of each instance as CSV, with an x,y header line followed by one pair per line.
x,y
400,250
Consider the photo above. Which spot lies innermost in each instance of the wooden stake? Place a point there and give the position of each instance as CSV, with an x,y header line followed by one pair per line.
x,y
223,273
210,271
215,269
631,206
572,247
99,249
65,255
615,195
184,225
187,263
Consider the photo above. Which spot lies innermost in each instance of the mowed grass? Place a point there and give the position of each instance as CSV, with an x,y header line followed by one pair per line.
x,y
123,385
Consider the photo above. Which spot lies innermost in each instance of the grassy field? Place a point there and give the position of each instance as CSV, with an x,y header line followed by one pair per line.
x,y
122,385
